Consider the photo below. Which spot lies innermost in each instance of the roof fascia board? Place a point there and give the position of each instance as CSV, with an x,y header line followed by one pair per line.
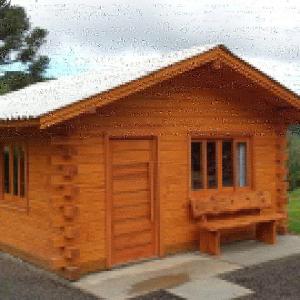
x,y
105,98
20,123
137,85
260,78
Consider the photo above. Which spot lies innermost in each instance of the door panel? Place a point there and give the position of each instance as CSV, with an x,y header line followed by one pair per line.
x,y
132,196
132,212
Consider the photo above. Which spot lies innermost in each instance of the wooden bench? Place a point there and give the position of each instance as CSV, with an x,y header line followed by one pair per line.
x,y
228,211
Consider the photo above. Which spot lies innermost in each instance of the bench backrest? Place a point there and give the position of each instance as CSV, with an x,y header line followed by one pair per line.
x,y
224,202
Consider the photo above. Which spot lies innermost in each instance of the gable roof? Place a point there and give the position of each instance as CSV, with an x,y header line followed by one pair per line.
x,y
47,103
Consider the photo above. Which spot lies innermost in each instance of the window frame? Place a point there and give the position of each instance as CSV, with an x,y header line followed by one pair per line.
x,y
11,200
219,139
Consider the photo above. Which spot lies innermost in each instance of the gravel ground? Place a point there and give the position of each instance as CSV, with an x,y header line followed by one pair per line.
x,y
21,281
278,279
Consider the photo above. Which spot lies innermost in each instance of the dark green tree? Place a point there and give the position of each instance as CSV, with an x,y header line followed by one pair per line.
x,y
294,157
20,44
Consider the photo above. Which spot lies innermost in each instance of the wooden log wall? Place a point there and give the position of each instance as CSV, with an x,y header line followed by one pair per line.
x,y
172,111
24,231
64,209
281,179
65,225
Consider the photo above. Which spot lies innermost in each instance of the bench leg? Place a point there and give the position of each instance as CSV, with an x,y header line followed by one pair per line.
x,y
210,242
266,232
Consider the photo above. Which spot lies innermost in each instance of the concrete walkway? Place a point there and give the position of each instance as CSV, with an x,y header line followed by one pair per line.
x,y
190,276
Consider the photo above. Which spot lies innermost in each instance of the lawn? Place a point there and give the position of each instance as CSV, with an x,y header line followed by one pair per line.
x,y
294,211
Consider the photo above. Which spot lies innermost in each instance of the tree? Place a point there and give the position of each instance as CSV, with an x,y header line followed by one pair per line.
x,y
294,156
19,44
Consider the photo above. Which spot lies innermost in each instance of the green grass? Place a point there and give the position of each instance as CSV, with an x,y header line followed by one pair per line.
x,y
294,211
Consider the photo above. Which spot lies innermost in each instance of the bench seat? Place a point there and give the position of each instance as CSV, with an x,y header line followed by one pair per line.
x,y
240,210
222,224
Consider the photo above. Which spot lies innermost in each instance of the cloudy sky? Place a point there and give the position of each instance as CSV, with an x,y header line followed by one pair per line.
x,y
83,34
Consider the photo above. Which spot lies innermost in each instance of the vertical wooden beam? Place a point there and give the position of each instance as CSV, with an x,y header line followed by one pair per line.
x,y
11,189
1,172
219,164
156,192
234,164
249,163
161,248
189,165
204,164
19,169
253,162
108,212
281,180
266,232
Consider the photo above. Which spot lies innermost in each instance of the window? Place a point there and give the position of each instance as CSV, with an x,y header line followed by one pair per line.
x,y
220,163
196,163
13,171
6,163
241,164
211,160
227,163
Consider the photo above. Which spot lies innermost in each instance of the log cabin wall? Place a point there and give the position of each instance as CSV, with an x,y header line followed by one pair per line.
x,y
64,225
25,228
197,102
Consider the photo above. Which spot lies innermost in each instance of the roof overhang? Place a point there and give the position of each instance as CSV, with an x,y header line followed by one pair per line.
x,y
219,54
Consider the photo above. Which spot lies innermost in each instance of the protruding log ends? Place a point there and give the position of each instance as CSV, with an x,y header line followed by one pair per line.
x,y
65,172
70,212
58,241
66,190
59,266
71,253
71,232
64,210
72,273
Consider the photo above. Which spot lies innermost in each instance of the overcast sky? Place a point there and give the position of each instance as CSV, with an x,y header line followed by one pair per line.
x,y
83,33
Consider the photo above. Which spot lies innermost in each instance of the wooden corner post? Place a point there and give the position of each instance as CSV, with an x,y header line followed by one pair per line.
x,y
64,208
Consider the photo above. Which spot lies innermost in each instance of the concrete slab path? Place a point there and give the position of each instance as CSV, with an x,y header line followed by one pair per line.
x,y
189,276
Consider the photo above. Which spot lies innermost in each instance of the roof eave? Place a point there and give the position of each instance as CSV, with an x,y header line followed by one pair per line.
x,y
219,52
20,123
127,89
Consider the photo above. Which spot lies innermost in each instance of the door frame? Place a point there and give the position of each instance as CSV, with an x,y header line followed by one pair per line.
x,y
108,191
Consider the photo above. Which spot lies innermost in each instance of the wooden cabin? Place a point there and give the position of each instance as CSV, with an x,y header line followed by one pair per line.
x,y
109,177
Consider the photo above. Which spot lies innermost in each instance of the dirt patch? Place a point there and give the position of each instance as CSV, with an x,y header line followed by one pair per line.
x,y
159,283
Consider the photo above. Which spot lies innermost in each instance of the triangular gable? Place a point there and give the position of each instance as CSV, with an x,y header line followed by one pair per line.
x,y
219,54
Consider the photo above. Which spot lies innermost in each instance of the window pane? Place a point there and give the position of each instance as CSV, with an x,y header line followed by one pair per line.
x,y
22,173
211,165
6,158
16,170
242,164
196,163
227,164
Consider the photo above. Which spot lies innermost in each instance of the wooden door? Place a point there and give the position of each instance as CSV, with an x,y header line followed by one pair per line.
x,y
132,200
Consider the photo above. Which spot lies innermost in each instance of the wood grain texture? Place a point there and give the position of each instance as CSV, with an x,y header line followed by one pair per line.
x,y
70,175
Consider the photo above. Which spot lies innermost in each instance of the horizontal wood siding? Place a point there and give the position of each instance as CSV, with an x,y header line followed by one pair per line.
x,y
200,102
172,111
26,232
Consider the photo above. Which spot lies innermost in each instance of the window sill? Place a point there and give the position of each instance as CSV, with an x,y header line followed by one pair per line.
x,y
223,190
14,203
